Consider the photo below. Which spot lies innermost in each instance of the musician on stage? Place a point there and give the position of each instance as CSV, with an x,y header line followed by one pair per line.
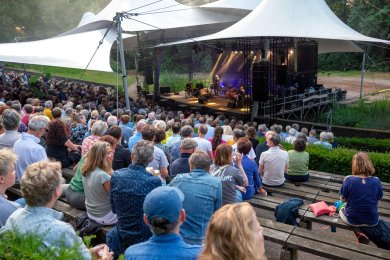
x,y
216,82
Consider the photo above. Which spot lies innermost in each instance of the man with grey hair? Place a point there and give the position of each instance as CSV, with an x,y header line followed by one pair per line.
x,y
137,136
324,141
174,149
10,122
27,148
312,137
112,120
181,165
129,187
202,197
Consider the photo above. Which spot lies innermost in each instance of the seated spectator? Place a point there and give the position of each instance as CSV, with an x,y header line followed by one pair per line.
x,y
127,130
181,165
133,182
48,107
237,134
122,156
312,137
164,214
230,176
234,233
202,197
262,130
137,136
296,127
273,163
216,140
160,161
203,143
332,141
10,122
27,148
252,134
78,129
324,141
298,162
210,129
305,131
174,149
176,134
250,168
96,182
262,147
58,142
7,179
284,135
292,133
159,136
361,191
227,133
41,187
28,110
98,129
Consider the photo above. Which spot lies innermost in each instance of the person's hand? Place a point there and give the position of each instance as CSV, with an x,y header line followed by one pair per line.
x,y
101,252
237,158
262,192
240,188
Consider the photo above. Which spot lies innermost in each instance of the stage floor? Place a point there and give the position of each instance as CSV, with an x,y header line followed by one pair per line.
x,y
217,105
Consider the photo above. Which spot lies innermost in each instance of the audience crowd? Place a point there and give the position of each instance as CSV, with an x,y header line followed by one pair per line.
x,y
124,158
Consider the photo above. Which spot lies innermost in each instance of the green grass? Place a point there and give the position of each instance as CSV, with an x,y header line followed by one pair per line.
x,y
109,78
349,73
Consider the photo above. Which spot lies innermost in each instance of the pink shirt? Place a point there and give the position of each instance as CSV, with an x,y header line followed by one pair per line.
x,y
88,143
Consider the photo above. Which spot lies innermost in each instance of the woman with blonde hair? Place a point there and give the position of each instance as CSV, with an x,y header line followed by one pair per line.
x,y
234,233
227,133
97,172
361,191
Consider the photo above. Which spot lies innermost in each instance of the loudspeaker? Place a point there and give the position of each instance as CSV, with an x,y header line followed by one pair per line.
x,y
307,65
202,100
231,103
281,75
149,75
199,85
260,73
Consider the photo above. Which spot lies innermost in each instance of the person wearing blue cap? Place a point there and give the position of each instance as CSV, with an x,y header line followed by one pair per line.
x,y
163,213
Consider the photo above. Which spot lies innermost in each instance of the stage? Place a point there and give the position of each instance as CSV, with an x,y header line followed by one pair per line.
x,y
214,105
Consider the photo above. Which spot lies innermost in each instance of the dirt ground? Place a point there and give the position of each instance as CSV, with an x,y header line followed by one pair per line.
x,y
375,86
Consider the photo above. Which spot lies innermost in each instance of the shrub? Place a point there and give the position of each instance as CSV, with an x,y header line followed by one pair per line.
x,y
365,144
14,245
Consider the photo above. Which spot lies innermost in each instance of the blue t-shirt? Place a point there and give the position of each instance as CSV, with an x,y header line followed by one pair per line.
x,y
362,195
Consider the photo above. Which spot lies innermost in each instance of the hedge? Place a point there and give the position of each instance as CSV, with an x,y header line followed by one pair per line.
x,y
365,144
339,161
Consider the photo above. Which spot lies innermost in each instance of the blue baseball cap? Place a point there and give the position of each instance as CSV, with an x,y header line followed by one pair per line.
x,y
164,202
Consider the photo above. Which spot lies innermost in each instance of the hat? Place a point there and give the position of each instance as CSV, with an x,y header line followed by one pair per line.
x,y
188,143
164,202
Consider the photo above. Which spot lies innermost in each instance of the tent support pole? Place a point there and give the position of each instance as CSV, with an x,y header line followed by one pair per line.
x,y
118,19
362,80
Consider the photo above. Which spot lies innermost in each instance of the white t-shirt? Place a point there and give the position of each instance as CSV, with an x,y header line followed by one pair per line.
x,y
251,155
203,144
274,161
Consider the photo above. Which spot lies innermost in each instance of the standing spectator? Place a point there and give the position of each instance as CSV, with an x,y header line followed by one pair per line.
x,y
176,134
133,182
41,187
298,162
122,156
273,163
234,233
7,180
230,176
312,137
361,191
96,181
10,122
250,168
98,130
126,130
216,140
202,197
181,165
27,148
324,141
203,143
138,135
47,110
78,129
58,142
164,214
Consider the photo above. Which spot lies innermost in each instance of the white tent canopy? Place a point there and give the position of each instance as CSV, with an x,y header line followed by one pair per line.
x,y
311,19
233,4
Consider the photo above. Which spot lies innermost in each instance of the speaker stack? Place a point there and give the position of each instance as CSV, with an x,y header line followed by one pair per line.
x,y
260,74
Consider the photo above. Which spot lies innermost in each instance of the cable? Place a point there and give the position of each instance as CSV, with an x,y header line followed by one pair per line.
x,y
376,45
364,20
170,11
100,43
380,10
143,6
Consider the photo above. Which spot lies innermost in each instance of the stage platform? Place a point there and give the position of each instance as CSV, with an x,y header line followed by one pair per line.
x,y
215,105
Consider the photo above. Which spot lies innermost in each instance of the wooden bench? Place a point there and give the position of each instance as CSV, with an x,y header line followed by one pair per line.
x,y
324,245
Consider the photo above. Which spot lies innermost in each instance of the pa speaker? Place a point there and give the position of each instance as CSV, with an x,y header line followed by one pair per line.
x,y
260,74
149,75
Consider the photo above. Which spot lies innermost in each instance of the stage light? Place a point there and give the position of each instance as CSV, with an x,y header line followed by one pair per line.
x,y
291,51
236,52
252,52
